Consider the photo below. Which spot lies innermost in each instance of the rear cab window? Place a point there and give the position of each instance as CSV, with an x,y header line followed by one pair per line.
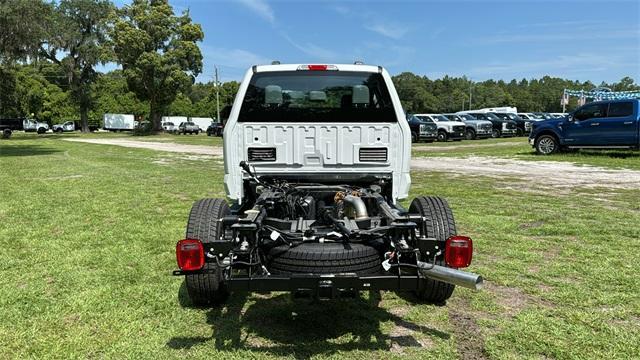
x,y
620,109
317,96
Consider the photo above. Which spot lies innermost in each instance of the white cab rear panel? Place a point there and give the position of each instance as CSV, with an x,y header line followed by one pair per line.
x,y
323,149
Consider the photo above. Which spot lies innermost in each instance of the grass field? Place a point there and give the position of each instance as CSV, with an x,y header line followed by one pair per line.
x,y
88,235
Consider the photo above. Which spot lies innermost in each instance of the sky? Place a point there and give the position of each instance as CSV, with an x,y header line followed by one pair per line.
x,y
579,40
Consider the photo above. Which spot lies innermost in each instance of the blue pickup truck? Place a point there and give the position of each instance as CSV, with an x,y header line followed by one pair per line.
x,y
611,124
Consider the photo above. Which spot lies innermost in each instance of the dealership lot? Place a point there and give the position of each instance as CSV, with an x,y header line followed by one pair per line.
x,y
89,241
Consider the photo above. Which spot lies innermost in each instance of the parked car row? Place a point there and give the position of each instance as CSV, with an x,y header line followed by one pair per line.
x,y
190,127
8,126
468,125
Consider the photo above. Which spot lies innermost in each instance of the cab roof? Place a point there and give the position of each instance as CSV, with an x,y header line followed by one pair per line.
x,y
330,67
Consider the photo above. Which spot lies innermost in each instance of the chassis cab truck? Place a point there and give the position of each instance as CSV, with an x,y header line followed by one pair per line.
x,y
316,158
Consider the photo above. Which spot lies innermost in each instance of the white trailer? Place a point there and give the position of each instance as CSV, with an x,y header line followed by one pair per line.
x,y
202,122
119,122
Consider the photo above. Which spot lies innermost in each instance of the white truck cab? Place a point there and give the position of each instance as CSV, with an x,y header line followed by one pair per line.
x,y
447,129
318,123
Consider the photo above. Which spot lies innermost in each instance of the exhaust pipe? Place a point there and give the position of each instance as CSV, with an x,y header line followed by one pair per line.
x,y
358,206
450,276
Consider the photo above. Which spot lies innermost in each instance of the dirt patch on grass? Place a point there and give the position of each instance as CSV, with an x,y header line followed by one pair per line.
x,y
158,146
531,225
402,337
514,300
466,146
67,177
469,339
536,174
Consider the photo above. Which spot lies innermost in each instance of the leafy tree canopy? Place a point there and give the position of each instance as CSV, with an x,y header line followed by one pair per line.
x,y
158,52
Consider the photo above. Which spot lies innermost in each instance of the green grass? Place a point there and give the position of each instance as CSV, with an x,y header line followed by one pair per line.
x,y
88,235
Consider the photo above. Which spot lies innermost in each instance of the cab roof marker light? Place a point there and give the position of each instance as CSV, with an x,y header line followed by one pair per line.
x,y
318,67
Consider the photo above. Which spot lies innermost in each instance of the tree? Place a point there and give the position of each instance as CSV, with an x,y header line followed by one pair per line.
x,y
25,24
158,52
625,84
79,34
181,106
113,96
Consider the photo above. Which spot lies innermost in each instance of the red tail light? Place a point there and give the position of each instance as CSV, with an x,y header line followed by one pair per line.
x,y
458,251
317,67
190,254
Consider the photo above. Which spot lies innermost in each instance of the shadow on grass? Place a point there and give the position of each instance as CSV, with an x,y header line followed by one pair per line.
x,y
25,150
281,326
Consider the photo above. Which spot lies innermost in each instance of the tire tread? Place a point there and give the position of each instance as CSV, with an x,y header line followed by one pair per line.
x,y
203,224
439,224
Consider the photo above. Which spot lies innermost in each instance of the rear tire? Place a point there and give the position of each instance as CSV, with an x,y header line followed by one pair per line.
x,y
439,224
470,134
42,130
206,289
6,133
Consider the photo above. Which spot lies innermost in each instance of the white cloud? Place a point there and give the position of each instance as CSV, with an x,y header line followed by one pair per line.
x,y
394,31
568,35
565,64
313,50
340,9
234,58
260,7
437,32
556,24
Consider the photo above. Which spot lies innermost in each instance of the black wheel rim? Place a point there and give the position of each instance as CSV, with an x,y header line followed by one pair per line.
x,y
469,135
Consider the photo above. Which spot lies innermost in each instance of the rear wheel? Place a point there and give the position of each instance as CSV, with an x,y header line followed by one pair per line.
x,y
438,224
42,130
6,133
469,134
204,225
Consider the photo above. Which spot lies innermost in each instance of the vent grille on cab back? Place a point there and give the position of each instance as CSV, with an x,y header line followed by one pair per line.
x,y
373,154
261,154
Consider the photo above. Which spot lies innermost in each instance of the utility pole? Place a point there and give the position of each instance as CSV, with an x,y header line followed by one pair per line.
x,y
470,85
217,85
